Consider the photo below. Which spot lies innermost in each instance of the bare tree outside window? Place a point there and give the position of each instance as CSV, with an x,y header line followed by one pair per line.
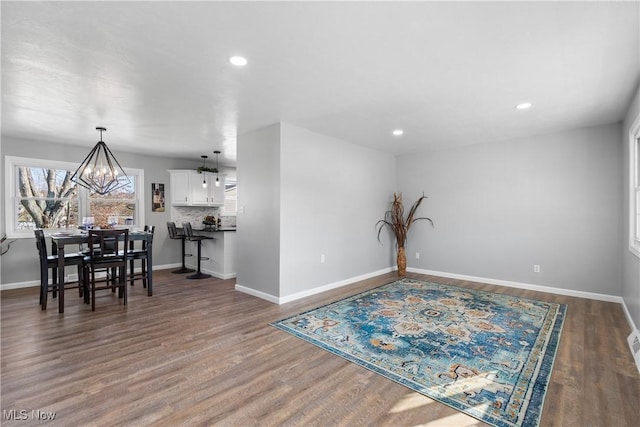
x,y
47,198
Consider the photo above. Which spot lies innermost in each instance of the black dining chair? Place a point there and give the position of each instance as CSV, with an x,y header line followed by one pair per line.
x,y
141,254
178,234
51,262
107,252
188,232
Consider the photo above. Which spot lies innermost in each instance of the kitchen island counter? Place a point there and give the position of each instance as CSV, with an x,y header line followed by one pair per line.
x,y
221,251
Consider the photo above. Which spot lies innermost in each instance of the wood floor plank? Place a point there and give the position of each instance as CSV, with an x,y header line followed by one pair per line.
x,y
201,353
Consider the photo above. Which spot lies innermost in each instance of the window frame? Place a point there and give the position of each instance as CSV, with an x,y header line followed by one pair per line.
x,y
11,189
634,188
223,208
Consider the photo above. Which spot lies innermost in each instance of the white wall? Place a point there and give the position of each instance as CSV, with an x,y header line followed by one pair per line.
x,y
332,194
499,208
630,263
258,218
307,194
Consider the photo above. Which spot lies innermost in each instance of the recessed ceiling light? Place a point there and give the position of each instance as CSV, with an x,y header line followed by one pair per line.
x,y
239,61
523,106
398,132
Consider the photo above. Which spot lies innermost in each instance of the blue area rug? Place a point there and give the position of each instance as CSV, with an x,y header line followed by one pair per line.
x,y
488,355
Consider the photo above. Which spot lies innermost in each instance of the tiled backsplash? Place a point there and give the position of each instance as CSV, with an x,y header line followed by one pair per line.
x,y
228,221
195,215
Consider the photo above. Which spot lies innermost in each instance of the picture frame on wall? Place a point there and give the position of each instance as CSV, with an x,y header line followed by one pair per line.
x,y
157,197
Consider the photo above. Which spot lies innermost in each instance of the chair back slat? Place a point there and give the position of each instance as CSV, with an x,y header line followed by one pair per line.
x,y
107,251
41,244
151,229
188,231
173,231
105,246
147,229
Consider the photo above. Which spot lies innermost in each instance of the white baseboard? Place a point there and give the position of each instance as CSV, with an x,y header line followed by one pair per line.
x,y
309,292
259,294
220,275
538,288
167,266
73,277
334,285
19,285
511,284
629,319
519,285
213,273
634,346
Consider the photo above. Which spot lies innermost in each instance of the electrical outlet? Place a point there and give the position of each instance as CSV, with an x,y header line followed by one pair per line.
x,y
417,255
536,268
321,258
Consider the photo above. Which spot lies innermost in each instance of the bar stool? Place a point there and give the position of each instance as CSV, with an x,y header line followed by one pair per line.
x,y
188,232
176,234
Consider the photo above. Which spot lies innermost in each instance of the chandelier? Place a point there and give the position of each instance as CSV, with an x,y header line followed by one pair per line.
x,y
100,172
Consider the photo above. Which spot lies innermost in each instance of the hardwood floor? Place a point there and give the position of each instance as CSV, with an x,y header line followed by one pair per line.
x,y
200,353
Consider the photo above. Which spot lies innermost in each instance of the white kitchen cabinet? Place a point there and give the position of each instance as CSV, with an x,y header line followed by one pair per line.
x,y
209,196
187,189
216,194
180,188
200,194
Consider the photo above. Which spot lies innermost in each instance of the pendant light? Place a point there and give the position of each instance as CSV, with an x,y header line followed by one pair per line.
x,y
204,168
217,153
100,172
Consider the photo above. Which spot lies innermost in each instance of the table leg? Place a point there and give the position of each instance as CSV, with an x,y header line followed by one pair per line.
x,y
60,278
149,267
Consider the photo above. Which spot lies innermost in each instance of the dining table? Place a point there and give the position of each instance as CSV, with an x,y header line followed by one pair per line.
x,y
61,239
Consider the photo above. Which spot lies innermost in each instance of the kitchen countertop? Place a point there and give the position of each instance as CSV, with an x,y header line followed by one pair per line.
x,y
214,231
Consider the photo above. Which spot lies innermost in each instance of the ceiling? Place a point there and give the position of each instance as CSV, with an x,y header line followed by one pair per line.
x,y
157,76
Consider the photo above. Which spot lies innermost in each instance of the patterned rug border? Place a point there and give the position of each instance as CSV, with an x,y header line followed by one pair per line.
x,y
538,390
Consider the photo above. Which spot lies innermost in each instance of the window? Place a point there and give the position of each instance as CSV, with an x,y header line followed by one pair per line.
x,y
634,184
40,194
116,208
46,198
230,198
